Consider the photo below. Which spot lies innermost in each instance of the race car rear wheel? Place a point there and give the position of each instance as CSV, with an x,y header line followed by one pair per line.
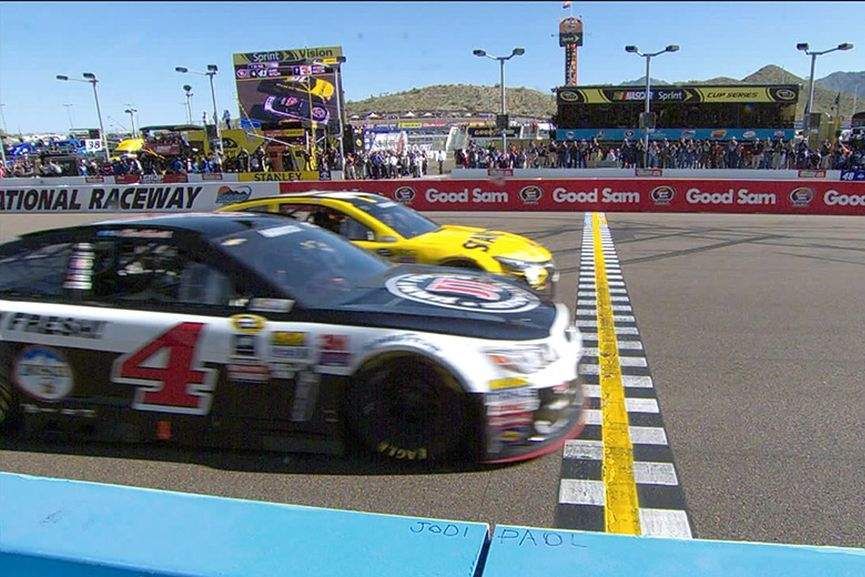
x,y
407,409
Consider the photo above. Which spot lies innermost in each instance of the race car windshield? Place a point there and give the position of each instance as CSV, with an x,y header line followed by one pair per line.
x,y
313,266
404,221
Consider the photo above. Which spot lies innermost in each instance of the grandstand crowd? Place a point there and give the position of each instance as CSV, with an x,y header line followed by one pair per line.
x,y
691,154
416,162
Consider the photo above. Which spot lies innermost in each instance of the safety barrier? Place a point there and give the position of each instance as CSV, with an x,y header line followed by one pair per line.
x,y
540,195
132,198
614,195
532,552
56,527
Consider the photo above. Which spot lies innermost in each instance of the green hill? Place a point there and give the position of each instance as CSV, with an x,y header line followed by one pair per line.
x,y
529,102
457,98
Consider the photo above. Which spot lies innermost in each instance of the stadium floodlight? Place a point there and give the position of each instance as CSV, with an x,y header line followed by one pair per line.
x,y
648,95
131,112
187,90
90,78
518,51
803,46
211,72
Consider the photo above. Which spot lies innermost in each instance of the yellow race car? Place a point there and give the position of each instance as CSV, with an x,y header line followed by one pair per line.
x,y
400,234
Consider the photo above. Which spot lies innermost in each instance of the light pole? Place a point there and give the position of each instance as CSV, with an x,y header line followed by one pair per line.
x,y
648,57
131,112
339,61
803,46
211,72
91,78
515,52
187,90
3,137
69,115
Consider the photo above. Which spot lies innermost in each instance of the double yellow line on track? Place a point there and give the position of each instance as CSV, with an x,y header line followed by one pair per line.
x,y
621,511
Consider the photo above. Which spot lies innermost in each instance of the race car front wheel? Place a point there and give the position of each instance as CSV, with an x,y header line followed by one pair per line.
x,y
8,402
407,409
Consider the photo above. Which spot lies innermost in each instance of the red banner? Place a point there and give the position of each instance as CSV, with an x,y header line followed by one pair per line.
x,y
613,195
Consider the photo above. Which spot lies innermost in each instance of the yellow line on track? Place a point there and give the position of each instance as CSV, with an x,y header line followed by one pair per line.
x,y
621,514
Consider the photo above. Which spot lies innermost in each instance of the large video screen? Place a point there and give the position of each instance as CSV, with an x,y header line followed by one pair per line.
x,y
289,85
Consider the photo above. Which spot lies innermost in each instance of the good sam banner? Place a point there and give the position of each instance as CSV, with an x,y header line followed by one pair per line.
x,y
614,195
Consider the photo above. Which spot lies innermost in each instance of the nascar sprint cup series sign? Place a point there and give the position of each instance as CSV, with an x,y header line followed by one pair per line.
x,y
129,198
617,195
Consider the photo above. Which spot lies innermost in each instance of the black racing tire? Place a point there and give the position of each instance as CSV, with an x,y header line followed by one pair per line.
x,y
9,409
407,409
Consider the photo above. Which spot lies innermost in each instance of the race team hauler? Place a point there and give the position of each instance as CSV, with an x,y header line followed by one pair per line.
x,y
255,331
403,235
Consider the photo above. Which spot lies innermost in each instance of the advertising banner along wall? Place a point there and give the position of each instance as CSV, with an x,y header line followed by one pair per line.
x,y
614,195
133,198
499,194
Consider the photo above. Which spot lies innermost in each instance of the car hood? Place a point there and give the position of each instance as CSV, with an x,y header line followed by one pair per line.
x,y
497,242
443,300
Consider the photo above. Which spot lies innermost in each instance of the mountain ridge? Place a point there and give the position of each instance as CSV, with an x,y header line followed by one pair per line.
x,y
530,102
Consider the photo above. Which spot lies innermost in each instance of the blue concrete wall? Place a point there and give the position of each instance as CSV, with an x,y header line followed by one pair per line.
x,y
532,552
164,533
54,527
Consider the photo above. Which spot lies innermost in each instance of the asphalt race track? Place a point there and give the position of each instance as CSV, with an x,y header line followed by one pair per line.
x,y
752,327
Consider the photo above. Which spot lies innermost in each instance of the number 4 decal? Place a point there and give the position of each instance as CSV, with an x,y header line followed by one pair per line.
x,y
175,387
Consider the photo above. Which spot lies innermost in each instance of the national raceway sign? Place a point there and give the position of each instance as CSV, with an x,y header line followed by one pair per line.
x,y
613,195
132,198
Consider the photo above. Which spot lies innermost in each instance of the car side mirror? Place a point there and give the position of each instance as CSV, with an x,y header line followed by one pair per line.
x,y
386,239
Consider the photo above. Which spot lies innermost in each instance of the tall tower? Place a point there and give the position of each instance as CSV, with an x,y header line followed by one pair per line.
x,y
571,38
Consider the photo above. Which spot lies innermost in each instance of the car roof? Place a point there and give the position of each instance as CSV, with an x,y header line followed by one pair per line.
x,y
205,224
346,195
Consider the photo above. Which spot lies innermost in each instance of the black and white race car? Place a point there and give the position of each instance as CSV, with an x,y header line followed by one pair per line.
x,y
244,330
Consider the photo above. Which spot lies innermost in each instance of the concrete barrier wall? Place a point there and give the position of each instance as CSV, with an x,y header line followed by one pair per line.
x,y
650,194
56,527
614,194
533,552
132,198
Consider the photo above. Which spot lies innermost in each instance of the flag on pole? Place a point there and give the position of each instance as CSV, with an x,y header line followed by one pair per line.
x,y
566,4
